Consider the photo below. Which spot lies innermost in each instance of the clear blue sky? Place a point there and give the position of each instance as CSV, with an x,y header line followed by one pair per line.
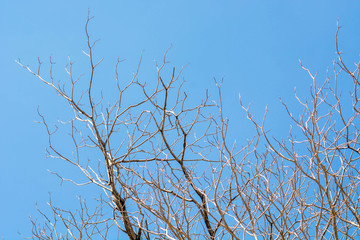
x,y
254,45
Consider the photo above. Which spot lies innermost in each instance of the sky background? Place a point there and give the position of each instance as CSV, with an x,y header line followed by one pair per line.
x,y
255,46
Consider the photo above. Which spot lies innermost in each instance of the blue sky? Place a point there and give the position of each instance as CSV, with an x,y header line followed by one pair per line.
x,y
255,46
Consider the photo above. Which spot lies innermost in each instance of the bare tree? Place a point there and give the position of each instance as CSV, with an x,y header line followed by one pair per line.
x,y
169,172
